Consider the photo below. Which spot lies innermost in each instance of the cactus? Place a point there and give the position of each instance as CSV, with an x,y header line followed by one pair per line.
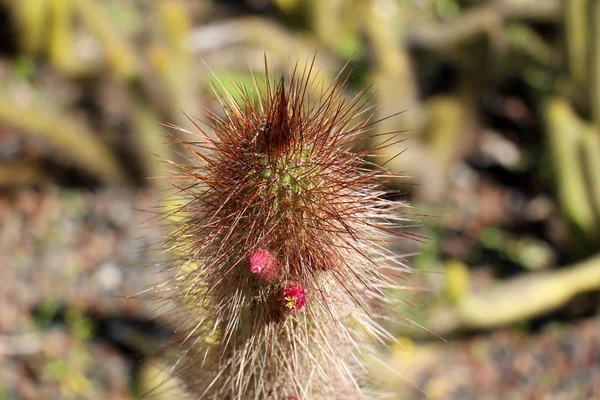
x,y
281,248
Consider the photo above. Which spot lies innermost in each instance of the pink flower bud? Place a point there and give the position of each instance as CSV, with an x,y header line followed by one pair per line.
x,y
294,297
264,265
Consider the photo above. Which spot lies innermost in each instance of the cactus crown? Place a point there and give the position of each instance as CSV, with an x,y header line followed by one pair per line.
x,y
281,243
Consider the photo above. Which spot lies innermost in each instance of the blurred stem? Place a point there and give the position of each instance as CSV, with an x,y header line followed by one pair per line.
x,y
393,74
120,55
447,117
451,119
20,174
518,299
458,280
397,92
177,64
328,20
564,131
576,37
591,159
69,139
61,43
524,38
594,62
480,20
273,37
388,46
149,140
287,6
175,24
173,62
32,16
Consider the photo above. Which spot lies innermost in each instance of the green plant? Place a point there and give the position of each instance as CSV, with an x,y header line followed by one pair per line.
x,y
281,244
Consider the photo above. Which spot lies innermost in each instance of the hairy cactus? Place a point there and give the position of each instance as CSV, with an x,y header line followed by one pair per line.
x,y
282,260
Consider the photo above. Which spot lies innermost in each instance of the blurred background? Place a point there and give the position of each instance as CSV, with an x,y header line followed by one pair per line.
x,y
501,103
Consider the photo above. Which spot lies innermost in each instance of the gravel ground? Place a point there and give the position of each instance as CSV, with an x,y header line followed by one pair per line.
x,y
67,330
561,362
69,260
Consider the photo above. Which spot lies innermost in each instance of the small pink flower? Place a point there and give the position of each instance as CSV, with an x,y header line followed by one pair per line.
x,y
264,265
294,297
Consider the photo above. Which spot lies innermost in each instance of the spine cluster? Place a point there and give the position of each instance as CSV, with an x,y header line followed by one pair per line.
x,y
282,244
